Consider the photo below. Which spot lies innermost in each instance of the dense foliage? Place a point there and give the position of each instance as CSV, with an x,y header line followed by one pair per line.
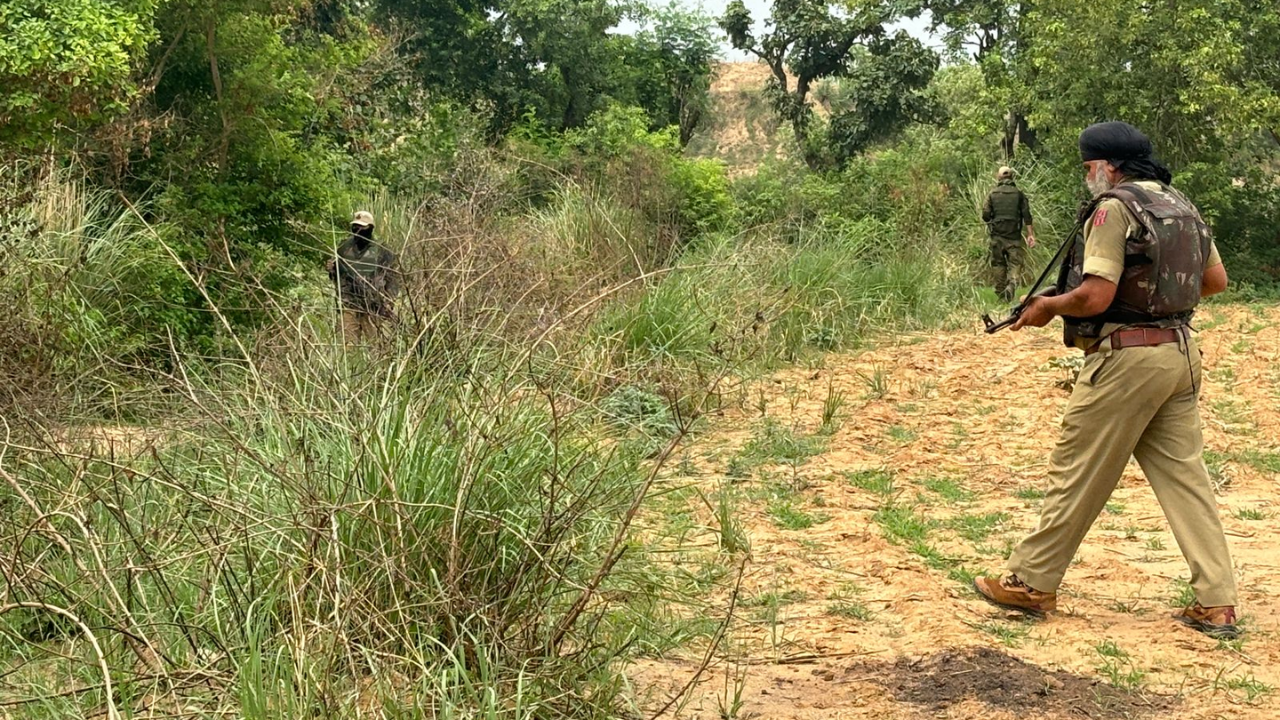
x,y
809,41
442,526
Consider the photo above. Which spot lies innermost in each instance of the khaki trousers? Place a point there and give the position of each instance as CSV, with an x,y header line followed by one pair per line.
x,y
358,326
1138,401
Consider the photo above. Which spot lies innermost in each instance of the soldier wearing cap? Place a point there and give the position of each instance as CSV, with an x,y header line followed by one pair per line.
x,y
1126,296
1005,212
365,277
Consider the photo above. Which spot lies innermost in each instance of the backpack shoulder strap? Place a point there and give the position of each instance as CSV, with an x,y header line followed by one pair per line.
x,y
1130,194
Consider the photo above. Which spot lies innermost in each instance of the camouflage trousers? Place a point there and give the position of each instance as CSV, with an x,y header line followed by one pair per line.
x,y
1008,257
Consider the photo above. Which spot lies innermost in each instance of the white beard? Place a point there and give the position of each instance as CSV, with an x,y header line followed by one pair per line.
x,y
1098,185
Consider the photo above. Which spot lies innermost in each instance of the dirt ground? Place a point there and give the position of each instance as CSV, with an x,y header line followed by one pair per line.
x,y
854,599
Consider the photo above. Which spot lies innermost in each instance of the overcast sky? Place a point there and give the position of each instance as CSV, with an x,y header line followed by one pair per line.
x,y
918,27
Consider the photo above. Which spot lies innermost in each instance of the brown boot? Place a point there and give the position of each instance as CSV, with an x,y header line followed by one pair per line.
x,y
1216,622
1010,592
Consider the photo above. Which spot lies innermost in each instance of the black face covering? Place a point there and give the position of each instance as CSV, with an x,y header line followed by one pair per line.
x,y
1126,148
364,232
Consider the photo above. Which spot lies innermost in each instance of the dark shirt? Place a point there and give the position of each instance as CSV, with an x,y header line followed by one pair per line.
x,y
365,276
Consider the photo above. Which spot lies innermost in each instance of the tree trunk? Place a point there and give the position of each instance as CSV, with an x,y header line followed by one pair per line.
x,y
690,116
801,116
1026,134
1016,132
1009,140
224,141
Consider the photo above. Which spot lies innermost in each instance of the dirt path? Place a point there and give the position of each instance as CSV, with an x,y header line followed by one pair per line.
x,y
863,536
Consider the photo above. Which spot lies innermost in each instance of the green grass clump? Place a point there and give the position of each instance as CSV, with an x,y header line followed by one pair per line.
x,y
1118,668
977,528
964,575
774,599
932,557
879,482
851,610
1264,460
451,531
1008,634
640,412
901,434
773,442
788,516
901,524
1251,514
1183,594
948,489
1029,493
1248,685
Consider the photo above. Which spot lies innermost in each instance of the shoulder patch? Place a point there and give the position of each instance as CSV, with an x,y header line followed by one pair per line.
x,y
1099,216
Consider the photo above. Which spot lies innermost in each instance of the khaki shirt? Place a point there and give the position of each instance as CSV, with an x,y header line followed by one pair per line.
x,y
1105,233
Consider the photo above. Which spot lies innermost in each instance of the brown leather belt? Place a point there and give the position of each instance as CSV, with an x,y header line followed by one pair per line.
x,y
1139,337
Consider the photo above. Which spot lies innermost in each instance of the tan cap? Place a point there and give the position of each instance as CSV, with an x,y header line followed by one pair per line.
x,y
1004,173
363,219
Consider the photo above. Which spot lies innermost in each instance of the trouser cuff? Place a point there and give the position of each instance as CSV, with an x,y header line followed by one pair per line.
x,y
1211,598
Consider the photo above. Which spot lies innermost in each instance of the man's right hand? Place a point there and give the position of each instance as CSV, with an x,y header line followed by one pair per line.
x,y
1036,313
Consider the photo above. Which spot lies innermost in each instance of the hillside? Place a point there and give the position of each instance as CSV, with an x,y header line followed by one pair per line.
x,y
742,130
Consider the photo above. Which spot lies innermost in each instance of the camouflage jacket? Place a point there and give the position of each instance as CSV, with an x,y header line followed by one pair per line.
x,y
366,278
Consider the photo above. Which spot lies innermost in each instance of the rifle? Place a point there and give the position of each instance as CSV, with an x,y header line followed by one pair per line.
x,y
1016,312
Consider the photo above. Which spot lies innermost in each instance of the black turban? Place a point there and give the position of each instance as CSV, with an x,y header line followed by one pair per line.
x,y
1114,141
1126,148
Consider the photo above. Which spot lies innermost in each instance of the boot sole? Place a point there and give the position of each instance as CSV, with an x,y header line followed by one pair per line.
x,y
1030,612
1217,632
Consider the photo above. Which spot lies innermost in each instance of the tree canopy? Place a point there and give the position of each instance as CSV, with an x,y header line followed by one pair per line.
x,y
68,63
809,40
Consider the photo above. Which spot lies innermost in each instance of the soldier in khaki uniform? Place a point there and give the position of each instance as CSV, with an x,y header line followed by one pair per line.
x,y
1005,212
1126,298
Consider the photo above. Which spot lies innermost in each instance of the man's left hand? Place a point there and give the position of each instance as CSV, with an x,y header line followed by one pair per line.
x,y
1037,313
1031,240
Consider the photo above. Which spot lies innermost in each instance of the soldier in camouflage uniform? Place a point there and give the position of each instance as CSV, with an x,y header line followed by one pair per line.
x,y
365,277
1005,212
1126,296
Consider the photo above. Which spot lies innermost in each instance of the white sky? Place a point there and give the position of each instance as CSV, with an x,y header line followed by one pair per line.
x,y
919,27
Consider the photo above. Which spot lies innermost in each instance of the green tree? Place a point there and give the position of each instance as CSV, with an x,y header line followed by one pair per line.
x,y
564,44
505,57
67,63
239,145
1199,77
814,40
1186,71
981,28
995,33
668,63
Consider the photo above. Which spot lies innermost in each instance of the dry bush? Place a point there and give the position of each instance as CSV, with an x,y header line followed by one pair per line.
x,y
504,258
